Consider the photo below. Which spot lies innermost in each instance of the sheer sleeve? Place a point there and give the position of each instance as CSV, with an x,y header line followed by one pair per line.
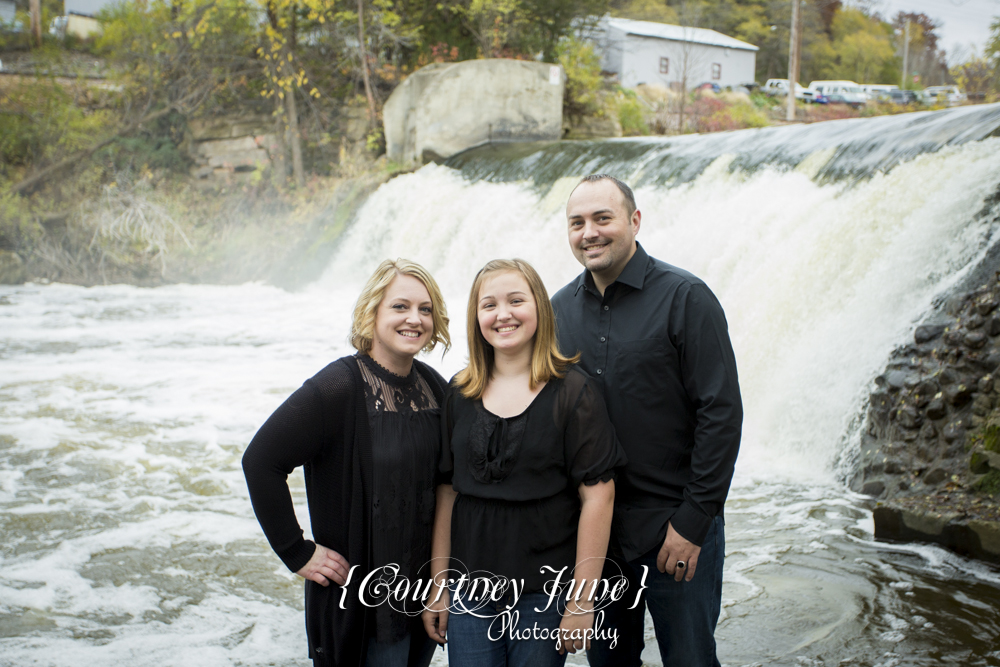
x,y
446,464
592,450
290,437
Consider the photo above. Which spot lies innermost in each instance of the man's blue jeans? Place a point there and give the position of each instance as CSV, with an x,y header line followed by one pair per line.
x,y
480,642
684,613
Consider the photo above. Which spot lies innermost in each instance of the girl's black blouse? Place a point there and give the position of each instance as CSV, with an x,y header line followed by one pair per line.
x,y
517,478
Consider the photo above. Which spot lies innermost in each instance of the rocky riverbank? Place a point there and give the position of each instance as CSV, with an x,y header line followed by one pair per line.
x,y
930,446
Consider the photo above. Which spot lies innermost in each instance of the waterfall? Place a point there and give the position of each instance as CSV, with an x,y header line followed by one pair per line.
x,y
824,243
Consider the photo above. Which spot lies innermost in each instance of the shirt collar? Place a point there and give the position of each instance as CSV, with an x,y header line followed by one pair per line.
x,y
633,275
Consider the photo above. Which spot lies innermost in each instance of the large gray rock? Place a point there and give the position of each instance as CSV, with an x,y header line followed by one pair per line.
x,y
445,108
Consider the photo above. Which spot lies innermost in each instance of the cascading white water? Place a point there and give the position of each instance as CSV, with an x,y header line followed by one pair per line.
x,y
819,282
127,534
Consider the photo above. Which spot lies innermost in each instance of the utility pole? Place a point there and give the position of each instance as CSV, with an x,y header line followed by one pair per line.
x,y
793,60
906,52
36,21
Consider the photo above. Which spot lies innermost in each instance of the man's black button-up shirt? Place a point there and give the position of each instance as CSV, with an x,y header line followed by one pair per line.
x,y
658,345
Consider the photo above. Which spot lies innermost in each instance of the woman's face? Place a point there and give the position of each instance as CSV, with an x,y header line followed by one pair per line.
x,y
508,317
403,321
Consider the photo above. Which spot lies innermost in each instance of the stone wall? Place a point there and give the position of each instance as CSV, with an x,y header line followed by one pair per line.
x,y
226,145
446,108
930,445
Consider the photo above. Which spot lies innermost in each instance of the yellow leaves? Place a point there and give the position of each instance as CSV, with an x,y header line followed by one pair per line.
x,y
314,93
177,34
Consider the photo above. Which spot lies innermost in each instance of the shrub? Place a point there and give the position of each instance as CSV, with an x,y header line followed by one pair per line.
x,y
583,78
631,114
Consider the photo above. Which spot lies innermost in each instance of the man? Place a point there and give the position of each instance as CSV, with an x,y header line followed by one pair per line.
x,y
655,339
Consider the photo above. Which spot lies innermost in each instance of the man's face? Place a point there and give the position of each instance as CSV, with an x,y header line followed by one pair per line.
x,y
601,232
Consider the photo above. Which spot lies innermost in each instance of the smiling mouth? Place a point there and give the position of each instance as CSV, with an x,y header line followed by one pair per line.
x,y
409,334
506,329
595,247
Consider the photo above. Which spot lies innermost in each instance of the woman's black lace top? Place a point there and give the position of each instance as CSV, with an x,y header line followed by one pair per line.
x,y
405,421
517,478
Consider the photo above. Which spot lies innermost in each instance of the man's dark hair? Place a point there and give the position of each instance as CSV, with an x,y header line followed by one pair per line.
x,y
625,190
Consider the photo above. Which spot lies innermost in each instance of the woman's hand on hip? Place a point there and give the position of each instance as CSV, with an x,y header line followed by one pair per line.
x,y
326,565
435,618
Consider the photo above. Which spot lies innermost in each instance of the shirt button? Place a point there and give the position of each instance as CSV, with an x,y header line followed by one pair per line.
x,y
606,307
599,371
603,339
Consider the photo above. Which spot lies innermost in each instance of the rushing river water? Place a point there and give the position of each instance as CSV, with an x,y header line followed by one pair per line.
x,y
127,534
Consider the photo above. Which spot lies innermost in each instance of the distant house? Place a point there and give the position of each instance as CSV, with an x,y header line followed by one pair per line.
x,y
7,11
658,53
79,17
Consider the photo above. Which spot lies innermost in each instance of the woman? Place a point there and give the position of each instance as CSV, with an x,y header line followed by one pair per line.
x,y
366,430
530,453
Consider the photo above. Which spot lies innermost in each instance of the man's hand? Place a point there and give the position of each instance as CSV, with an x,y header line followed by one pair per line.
x,y
676,548
435,618
325,565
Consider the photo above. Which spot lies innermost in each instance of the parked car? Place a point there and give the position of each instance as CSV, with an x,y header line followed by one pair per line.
x,y
840,92
779,87
902,97
708,86
950,95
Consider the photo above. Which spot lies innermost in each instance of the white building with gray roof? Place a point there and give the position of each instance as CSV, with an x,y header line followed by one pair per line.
x,y
659,53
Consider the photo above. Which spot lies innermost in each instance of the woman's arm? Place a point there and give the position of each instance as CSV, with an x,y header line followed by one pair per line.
x,y
435,615
292,436
597,506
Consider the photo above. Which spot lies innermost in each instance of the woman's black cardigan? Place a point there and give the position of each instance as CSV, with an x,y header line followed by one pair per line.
x,y
323,427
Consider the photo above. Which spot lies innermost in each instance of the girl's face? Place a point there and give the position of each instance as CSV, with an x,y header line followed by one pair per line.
x,y
403,320
508,317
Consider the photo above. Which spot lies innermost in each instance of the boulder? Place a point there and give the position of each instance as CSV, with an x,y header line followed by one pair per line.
x,y
446,108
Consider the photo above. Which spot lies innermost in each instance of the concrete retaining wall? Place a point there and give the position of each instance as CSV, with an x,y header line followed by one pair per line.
x,y
445,108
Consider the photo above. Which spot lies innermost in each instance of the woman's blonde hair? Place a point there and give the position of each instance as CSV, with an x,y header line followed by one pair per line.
x,y
363,325
546,361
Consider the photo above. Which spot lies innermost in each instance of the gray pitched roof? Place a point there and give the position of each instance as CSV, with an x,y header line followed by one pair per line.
x,y
677,33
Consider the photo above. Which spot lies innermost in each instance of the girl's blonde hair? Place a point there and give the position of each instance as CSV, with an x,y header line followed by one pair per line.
x,y
546,361
363,324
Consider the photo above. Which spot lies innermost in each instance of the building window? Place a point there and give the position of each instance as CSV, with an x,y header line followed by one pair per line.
x,y
664,65
716,71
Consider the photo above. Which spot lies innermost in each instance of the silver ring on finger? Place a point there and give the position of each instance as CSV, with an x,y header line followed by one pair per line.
x,y
680,565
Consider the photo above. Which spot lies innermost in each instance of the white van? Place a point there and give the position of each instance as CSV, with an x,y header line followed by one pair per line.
x,y
842,92
877,90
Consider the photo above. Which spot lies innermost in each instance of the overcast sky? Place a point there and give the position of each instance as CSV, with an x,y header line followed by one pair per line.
x,y
965,22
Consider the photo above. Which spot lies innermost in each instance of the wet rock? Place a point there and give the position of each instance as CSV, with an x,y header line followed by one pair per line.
x,y
975,340
948,376
927,431
993,328
958,394
894,467
975,321
990,362
873,488
954,338
985,384
982,405
928,332
909,417
924,392
953,431
903,485
971,537
979,464
987,304
935,477
936,409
